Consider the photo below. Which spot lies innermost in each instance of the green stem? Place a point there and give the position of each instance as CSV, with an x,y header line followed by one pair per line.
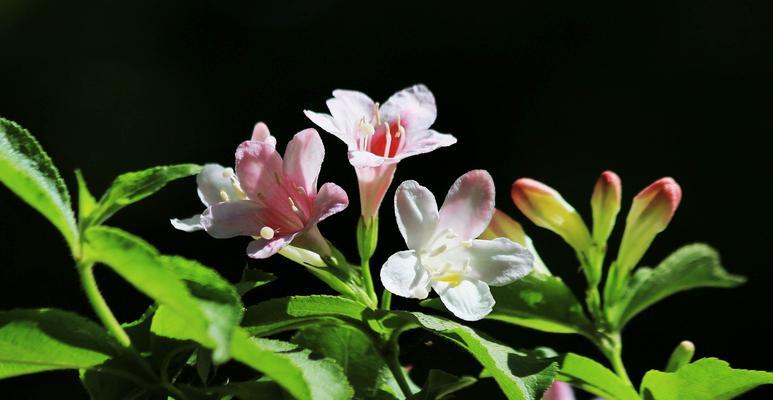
x,y
613,350
386,300
368,280
391,356
98,303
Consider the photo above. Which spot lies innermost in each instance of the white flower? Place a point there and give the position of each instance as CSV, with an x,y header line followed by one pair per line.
x,y
444,252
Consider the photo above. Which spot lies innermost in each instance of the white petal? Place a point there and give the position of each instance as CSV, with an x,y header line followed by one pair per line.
x,y
364,159
211,181
404,276
415,106
189,224
416,213
469,205
328,124
420,142
499,262
470,300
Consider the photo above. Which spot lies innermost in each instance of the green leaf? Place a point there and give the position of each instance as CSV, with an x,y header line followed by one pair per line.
x,y
262,389
197,294
593,377
26,169
519,375
692,266
440,384
253,278
537,301
354,353
132,187
705,379
46,339
290,313
86,200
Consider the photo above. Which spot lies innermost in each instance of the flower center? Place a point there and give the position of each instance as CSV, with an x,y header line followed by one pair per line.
x,y
382,138
442,259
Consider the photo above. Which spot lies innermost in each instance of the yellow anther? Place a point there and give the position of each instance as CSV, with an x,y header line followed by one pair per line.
x,y
266,233
224,196
453,279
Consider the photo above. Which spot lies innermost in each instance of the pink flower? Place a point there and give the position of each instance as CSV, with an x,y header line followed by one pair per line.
x,y
379,137
559,391
271,199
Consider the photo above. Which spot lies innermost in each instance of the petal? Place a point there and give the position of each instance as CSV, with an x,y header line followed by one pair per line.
x,y
189,224
259,168
499,262
415,106
364,159
373,183
236,218
416,213
212,180
303,159
404,276
347,108
421,142
262,248
559,391
261,134
469,205
470,300
328,124
331,199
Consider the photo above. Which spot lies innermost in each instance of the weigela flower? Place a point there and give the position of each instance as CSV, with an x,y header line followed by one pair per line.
x,y
605,204
444,252
379,136
271,199
650,214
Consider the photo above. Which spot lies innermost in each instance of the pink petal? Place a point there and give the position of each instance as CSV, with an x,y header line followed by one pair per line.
x,y
420,142
261,134
262,248
469,205
331,199
373,184
259,169
415,106
559,391
303,159
236,218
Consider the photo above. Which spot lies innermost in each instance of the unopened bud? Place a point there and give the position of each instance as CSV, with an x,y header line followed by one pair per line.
x,y
546,208
650,213
605,204
681,356
501,225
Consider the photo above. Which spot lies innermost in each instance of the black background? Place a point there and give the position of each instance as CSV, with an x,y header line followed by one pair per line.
x,y
557,91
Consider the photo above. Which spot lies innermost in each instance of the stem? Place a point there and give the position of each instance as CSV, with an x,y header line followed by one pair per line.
x,y
386,300
368,280
98,303
613,350
391,356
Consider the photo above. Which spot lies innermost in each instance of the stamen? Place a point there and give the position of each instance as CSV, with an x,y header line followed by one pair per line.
x,y
388,140
224,196
377,114
438,251
293,206
400,131
467,244
300,190
266,233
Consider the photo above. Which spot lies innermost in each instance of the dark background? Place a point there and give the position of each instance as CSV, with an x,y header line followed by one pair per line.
x,y
557,91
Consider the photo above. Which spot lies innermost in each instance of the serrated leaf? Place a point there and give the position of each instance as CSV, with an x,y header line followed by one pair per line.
x,y
47,339
26,169
197,294
293,312
519,375
537,301
253,278
132,187
352,350
593,377
692,266
86,200
440,385
705,379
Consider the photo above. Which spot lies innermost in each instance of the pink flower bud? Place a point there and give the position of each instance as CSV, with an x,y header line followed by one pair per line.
x,y
650,213
605,203
546,208
502,225
559,391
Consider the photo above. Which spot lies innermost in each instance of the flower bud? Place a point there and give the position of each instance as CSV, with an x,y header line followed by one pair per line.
x,y
650,213
501,225
546,208
681,356
605,204
559,391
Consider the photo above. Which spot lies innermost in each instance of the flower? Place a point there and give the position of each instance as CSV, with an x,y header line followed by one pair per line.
x,y
502,225
605,204
559,391
444,253
379,136
545,207
650,214
271,199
